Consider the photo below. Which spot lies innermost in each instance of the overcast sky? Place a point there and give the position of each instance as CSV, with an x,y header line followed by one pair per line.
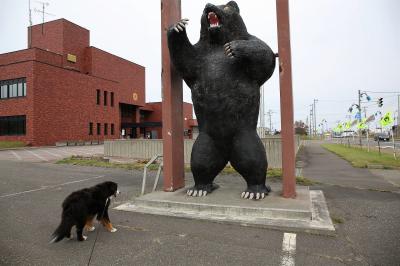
x,y
338,46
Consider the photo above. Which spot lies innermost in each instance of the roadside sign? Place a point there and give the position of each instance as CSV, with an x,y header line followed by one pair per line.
x,y
387,119
357,116
362,124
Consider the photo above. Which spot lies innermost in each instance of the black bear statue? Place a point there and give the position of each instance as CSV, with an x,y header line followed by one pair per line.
x,y
224,71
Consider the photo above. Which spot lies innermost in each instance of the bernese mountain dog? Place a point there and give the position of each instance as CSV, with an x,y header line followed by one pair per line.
x,y
82,206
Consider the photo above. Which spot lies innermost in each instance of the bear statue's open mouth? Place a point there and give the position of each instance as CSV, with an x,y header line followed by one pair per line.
x,y
213,20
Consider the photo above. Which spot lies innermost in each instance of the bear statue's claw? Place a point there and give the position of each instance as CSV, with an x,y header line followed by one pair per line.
x,y
181,25
201,190
229,50
256,192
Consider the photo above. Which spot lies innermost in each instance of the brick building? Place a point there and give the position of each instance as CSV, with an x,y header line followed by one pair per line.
x,y
63,89
152,114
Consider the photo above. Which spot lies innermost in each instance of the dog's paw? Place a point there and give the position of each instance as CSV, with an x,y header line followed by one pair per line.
x,y
90,228
83,238
112,230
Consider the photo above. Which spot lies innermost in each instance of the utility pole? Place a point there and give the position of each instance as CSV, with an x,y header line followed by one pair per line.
x,y
359,116
311,120
315,116
307,123
398,116
269,113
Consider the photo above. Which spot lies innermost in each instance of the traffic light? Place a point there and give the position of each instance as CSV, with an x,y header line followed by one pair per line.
x,y
380,102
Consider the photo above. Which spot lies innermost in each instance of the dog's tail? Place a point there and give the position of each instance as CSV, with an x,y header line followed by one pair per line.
x,y
63,230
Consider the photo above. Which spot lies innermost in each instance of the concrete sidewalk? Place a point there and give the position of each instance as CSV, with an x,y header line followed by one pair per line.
x,y
327,168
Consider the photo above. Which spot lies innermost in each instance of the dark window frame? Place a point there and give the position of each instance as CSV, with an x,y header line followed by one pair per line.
x,y
98,129
13,88
105,94
98,95
112,99
105,129
13,125
112,129
90,128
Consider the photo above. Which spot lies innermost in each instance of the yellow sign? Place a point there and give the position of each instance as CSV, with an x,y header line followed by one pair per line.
x,y
135,96
71,58
362,124
387,119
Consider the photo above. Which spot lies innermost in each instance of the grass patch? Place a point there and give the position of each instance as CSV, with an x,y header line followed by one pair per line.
x,y
11,144
362,158
99,162
273,174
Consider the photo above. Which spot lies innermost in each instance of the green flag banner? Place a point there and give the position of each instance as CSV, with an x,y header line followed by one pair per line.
x,y
387,119
362,124
339,128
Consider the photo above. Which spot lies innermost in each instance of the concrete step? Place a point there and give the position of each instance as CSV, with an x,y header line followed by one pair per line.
x,y
273,206
308,212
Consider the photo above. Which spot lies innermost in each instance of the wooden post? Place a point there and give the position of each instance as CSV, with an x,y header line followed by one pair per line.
x,y
286,100
172,104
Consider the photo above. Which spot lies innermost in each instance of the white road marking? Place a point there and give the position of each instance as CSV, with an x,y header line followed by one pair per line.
x,y
49,187
16,155
288,249
38,156
81,151
66,152
51,153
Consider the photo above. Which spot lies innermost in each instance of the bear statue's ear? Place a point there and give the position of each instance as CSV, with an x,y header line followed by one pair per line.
x,y
234,5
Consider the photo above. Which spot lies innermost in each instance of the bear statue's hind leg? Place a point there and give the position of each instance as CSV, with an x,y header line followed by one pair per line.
x,y
206,163
248,157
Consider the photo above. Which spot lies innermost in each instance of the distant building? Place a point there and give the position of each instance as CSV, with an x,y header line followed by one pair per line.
x,y
62,89
152,114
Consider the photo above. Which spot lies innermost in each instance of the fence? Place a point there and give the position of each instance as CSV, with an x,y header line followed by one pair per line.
x,y
147,148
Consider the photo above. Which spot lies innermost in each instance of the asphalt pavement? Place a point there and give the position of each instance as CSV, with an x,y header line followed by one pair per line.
x,y
367,222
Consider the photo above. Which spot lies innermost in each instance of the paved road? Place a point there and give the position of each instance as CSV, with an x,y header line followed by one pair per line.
x,y
31,195
49,154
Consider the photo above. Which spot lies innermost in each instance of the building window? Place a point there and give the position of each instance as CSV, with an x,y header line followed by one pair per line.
x,y
112,99
98,97
105,97
12,125
90,128
105,129
12,88
98,129
112,129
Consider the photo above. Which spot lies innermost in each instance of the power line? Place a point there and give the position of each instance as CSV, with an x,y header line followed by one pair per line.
x,y
394,92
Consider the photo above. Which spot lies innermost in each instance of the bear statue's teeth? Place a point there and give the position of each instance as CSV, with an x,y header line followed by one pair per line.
x,y
213,19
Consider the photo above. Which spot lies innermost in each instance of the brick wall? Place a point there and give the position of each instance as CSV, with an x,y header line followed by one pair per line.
x,y
21,105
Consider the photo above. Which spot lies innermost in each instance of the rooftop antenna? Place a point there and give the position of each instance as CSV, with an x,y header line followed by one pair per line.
x,y
30,25
44,4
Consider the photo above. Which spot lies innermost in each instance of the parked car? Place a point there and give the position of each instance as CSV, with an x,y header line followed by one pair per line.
x,y
382,136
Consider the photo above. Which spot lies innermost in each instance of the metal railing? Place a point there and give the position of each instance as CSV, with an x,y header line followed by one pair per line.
x,y
152,160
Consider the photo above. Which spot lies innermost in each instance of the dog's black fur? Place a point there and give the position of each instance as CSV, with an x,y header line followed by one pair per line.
x,y
81,206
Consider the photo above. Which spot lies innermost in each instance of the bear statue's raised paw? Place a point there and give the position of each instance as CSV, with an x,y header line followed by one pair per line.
x,y
234,49
229,50
256,192
201,190
181,25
